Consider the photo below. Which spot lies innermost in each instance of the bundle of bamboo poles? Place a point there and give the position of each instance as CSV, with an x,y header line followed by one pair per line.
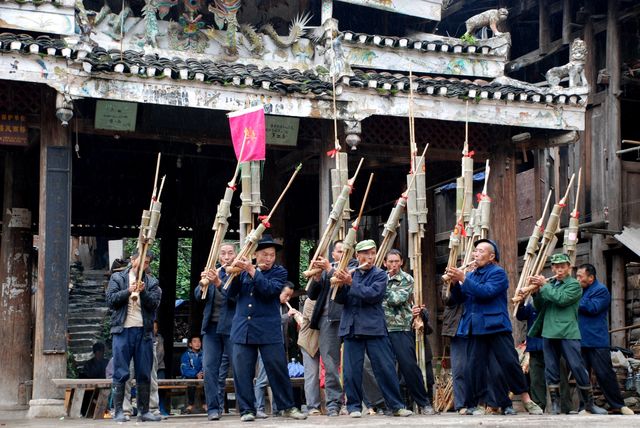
x,y
533,266
250,196
148,228
389,232
330,230
251,242
570,241
349,243
443,400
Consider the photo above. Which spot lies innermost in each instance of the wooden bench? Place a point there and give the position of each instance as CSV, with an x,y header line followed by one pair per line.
x,y
101,389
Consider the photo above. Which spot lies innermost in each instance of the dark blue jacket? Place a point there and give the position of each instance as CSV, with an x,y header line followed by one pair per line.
x,y
484,294
227,311
362,313
257,320
191,364
592,316
529,314
117,296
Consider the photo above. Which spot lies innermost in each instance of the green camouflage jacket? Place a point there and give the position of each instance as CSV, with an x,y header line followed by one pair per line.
x,y
397,302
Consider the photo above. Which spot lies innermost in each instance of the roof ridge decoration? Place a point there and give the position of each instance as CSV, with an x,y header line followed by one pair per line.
x,y
130,64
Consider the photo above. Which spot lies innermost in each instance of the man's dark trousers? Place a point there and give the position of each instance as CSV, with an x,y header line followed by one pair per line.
x,y
132,343
479,353
599,360
378,348
404,348
459,347
244,369
214,345
570,350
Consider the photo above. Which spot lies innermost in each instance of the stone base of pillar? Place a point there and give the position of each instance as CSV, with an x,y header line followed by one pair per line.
x,y
46,408
12,411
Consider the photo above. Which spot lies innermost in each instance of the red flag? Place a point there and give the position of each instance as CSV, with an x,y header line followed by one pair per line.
x,y
248,133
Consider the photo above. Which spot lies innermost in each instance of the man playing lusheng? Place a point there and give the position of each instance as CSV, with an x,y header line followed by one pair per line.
x,y
557,302
257,327
363,329
397,310
326,318
132,333
216,329
486,323
594,329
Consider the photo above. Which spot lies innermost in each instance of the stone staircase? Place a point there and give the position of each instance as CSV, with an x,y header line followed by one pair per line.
x,y
87,313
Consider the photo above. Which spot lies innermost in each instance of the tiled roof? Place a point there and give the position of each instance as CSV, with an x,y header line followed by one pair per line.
x,y
280,79
415,44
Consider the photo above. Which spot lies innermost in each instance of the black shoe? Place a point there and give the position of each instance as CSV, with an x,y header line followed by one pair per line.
x,y
587,398
144,415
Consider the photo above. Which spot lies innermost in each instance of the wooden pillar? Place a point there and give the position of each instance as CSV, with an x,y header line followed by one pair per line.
x,y
54,230
324,176
613,172
544,29
15,297
430,292
502,188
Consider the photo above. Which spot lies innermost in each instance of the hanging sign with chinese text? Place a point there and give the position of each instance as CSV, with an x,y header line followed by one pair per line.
x,y
282,131
13,129
116,115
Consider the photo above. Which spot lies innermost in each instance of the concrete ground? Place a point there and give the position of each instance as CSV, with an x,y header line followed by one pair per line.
x,y
446,420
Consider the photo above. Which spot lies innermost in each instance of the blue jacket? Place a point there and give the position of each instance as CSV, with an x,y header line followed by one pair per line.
x,y
484,294
529,314
362,313
117,296
191,364
227,311
592,316
257,320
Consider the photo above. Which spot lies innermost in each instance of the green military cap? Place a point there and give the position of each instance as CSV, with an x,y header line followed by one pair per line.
x,y
559,258
367,244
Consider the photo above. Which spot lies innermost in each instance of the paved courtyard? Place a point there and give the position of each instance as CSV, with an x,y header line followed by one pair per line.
x,y
447,420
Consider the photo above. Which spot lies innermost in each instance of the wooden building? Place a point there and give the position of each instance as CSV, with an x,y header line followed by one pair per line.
x,y
149,78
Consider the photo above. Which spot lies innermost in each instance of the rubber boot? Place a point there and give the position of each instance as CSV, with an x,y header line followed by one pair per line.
x,y
144,415
554,393
118,399
586,393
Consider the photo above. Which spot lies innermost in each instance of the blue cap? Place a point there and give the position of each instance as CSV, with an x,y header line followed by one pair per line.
x,y
493,244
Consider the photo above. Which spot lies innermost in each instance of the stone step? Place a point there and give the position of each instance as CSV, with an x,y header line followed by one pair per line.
x,y
85,335
77,344
82,328
75,319
77,304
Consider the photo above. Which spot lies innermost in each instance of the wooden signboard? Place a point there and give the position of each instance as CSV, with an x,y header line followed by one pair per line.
x,y
282,131
116,115
13,129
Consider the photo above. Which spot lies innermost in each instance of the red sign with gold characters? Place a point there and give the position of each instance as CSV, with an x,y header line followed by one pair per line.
x,y
13,129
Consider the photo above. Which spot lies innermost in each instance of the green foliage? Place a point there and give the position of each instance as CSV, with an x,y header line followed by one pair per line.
x,y
469,39
307,246
183,280
72,366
